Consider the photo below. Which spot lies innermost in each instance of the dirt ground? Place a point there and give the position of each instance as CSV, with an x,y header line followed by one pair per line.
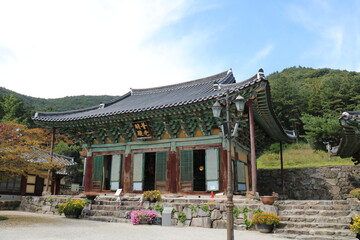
x,y
33,226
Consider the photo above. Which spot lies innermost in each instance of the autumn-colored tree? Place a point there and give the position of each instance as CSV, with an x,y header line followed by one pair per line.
x,y
20,150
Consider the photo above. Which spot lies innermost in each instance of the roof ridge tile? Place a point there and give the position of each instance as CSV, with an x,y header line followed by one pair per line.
x,y
220,76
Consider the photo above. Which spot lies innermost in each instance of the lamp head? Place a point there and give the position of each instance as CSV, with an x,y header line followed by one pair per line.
x,y
240,103
216,108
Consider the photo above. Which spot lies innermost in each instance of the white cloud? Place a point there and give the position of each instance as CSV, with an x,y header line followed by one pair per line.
x,y
336,30
61,48
255,62
261,54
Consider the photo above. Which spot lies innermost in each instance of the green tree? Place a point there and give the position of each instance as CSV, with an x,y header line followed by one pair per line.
x,y
18,146
14,109
320,130
71,150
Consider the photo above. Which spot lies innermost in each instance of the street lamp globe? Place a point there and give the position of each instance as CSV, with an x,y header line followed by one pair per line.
x,y
216,108
239,103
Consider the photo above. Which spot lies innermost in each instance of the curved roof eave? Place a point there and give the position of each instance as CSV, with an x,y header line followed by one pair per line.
x,y
350,135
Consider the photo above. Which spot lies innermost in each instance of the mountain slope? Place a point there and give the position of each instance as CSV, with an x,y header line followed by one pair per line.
x,y
59,104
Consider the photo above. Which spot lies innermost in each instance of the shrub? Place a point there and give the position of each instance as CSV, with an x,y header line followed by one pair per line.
x,y
205,208
142,215
236,211
355,224
158,208
193,208
265,218
154,195
3,218
355,192
72,207
182,217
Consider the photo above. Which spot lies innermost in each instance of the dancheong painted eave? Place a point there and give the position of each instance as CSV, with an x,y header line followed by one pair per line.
x,y
200,91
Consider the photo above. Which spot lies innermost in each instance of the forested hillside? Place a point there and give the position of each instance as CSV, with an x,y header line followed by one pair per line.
x,y
305,99
311,100
58,104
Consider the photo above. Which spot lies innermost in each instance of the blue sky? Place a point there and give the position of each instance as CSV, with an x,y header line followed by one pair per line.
x,y
53,49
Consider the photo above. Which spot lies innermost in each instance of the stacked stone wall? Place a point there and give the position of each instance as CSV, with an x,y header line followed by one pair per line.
x,y
318,183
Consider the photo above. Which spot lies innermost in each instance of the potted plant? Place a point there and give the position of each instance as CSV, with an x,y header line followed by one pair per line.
x,y
265,221
355,193
142,216
355,225
72,208
269,200
152,196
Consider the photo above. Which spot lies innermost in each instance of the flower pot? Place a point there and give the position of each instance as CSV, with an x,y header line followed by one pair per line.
x,y
268,200
265,228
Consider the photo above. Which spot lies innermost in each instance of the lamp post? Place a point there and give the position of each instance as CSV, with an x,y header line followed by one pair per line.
x,y
239,103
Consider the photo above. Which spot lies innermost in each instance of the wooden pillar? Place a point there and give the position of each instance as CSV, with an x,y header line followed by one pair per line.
x,y
89,165
53,182
223,170
23,185
172,172
252,149
127,187
282,169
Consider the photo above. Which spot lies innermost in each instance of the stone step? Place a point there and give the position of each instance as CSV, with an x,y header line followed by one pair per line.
x,y
315,207
313,202
318,232
310,212
313,237
312,225
108,219
115,214
110,202
315,219
114,207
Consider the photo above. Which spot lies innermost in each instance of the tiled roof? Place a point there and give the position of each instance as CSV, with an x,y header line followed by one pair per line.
x,y
140,100
42,156
178,95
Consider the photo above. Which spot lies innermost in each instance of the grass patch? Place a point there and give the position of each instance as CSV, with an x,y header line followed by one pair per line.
x,y
300,155
2,218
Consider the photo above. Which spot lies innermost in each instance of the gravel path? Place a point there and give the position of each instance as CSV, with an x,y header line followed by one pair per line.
x,y
33,226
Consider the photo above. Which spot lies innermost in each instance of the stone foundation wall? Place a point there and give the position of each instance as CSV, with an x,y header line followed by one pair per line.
x,y
9,204
208,213
321,183
45,205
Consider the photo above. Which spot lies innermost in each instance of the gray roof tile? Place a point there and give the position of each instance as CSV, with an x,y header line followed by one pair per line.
x,y
139,100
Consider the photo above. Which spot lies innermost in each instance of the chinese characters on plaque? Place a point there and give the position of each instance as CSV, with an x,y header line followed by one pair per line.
x,y
142,129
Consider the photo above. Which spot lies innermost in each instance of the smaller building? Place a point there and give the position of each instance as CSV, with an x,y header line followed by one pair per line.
x,y
34,184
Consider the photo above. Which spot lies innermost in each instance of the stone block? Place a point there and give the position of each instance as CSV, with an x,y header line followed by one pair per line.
x,y
269,208
46,208
216,215
202,213
335,190
184,224
219,224
332,181
204,222
188,212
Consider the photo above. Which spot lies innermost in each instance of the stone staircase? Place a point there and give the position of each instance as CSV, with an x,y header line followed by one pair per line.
x,y
300,219
106,209
315,220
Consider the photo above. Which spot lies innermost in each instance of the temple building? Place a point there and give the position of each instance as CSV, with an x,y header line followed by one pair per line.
x,y
167,138
350,137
